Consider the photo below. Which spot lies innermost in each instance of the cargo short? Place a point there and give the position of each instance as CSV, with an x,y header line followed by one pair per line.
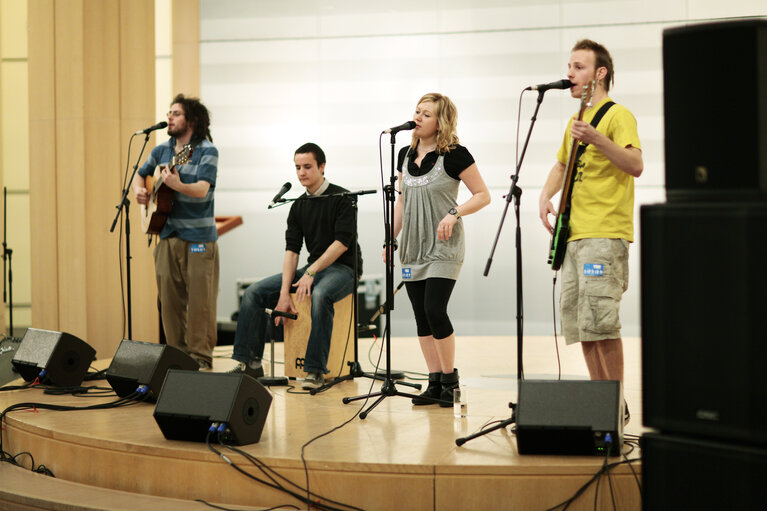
x,y
594,278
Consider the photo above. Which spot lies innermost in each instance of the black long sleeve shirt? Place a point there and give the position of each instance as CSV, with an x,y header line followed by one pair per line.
x,y
319,222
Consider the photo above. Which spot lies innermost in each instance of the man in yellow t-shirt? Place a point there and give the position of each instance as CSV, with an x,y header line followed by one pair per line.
x,y
595,269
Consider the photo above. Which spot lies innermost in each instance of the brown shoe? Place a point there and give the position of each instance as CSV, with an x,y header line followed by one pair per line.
x,y
205,365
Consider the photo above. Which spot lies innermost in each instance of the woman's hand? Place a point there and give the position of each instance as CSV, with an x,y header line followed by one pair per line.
x,y
445,227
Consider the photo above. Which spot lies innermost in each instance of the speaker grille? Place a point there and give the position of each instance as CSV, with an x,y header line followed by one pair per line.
x,y
733,165
703,299
569,417
190,402
64,357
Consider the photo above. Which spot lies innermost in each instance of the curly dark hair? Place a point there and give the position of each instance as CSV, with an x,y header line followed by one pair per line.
x,y
197,115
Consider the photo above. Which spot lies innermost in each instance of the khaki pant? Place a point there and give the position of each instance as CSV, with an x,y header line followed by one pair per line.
x,y
187,283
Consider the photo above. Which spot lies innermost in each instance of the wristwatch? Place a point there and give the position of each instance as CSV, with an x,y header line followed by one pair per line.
x,y
454,212
394,244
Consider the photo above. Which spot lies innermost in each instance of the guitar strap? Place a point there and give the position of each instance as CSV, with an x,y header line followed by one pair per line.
x,y
594,122
554,259
582,147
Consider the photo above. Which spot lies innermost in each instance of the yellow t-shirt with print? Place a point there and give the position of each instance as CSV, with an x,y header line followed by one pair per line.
x,y
603,195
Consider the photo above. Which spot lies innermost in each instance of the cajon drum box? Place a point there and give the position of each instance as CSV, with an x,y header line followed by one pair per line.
x,y
341,342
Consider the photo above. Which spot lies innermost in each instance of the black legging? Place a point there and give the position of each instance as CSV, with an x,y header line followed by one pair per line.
x,y
429,298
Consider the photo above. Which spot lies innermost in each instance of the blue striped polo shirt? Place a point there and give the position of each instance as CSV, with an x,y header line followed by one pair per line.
x,y
191,219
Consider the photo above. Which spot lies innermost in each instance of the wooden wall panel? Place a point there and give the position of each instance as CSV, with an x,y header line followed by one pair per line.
x,y
79,69
102,171
2,309
42,166
186,47
137,104
69,39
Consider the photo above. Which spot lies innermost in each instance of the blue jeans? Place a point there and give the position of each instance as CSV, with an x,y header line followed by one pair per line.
x,y
330,285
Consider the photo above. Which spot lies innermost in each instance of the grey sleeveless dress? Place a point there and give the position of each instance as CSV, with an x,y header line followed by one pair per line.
x,y
426,200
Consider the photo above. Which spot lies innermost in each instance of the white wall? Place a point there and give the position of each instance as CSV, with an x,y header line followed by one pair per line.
x,y
277,73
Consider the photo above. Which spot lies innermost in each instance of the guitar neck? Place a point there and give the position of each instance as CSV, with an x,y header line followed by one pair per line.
x,y
572,159
567,179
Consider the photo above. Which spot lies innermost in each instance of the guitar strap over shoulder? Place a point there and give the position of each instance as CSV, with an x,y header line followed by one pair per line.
x,y
562,228
594,122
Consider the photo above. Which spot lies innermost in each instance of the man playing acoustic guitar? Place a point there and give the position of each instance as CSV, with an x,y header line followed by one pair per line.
x,y
601,222
186,256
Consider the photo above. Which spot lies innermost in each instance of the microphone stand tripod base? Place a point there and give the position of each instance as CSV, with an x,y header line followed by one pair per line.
x,y
355,371
503,424
395,375
273,381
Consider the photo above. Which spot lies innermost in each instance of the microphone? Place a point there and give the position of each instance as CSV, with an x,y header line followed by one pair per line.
x,y
280,314
277,198
158,126
559,84
409,125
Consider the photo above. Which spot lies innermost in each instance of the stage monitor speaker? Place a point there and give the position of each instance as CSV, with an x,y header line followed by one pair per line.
x,y
691,473
569,417
703,303
64,358
715,78
138,363
8,347
190,402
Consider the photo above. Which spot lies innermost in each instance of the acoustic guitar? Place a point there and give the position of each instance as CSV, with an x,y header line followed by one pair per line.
x,y
562,225
155,213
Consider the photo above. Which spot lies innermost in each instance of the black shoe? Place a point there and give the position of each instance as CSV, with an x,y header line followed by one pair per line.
x,y
243,368
433,391
449,382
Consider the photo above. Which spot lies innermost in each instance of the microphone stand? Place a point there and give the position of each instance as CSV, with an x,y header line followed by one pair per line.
x,y
355,369
272,380
395,373
125,203
7,253
515,194
388,388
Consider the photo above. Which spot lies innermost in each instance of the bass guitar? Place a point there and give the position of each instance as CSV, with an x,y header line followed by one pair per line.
x,y
562,225
156,211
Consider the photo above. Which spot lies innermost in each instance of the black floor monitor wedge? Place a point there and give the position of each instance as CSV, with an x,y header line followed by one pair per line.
x,y
575,417
138,363
191,401
61,358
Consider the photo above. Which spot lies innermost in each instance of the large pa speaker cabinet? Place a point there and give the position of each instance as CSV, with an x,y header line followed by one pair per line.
x,y
690,473
569,417
190,402
138,363
64,357
715,75
703,302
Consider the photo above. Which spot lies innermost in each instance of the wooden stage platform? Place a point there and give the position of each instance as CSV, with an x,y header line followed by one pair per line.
x,y
400,457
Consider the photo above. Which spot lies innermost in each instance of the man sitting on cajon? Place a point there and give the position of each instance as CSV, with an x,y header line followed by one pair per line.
x,y
327,226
